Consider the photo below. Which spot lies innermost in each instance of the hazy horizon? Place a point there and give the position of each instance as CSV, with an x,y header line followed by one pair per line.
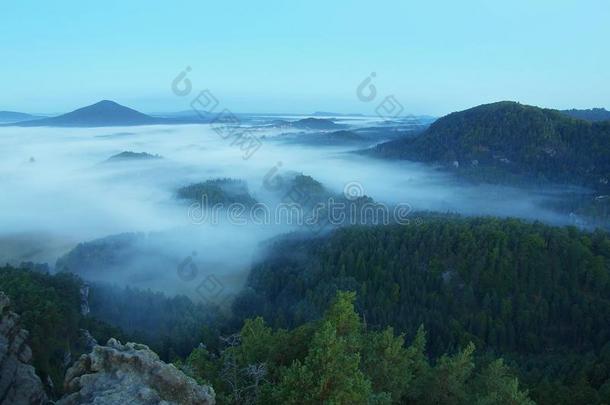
x,y
263,112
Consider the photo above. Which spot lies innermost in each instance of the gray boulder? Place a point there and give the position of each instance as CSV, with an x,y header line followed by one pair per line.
x,y
130,374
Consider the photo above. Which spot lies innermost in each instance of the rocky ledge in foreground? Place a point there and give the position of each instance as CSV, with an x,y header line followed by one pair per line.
x,y
19,383
130,373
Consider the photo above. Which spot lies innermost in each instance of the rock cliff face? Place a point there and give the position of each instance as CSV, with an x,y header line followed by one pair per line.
x,y
133,374
19,383
108,375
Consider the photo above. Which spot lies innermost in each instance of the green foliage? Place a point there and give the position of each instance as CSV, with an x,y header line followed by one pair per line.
x,y
171,326
339,361
49,307
505,284
201,365
257,341
587,209
593,114
343,318
309,186
506,140
329,374
538,295
448,380
497,386
218,192
388,364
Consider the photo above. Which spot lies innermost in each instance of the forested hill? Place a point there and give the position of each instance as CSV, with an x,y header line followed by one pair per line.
x,y
537,294
513,140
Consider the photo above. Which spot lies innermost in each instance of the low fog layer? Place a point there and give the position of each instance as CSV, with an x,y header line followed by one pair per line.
x,y
59,189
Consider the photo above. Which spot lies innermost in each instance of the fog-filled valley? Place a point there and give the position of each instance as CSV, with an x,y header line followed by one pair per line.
x,y
198,238
62,188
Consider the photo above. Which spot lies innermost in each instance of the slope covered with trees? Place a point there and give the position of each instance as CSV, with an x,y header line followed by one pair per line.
x,y
538,295
50,310
171,326
222,192
505,141
338,360
345,314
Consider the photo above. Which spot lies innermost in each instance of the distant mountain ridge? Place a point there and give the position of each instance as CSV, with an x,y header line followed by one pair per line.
x,y
514,139
593,114
103,113
320,124
340,137
332,114
14,116
106,113
353,137
129,155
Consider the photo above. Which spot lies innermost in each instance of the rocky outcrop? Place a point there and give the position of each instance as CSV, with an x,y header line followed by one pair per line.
x,y
130,374
19,383
86,340
84,300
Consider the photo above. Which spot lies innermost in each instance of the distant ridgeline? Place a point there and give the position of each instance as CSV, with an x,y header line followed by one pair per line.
x,y
593,114
129,156
13,116
308,124
105,113
534,294
508,141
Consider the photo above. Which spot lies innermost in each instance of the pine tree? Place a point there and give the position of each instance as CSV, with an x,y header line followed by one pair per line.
x,y
329,374
496,386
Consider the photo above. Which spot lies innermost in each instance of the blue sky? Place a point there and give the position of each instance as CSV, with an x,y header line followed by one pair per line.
x,y
304,56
